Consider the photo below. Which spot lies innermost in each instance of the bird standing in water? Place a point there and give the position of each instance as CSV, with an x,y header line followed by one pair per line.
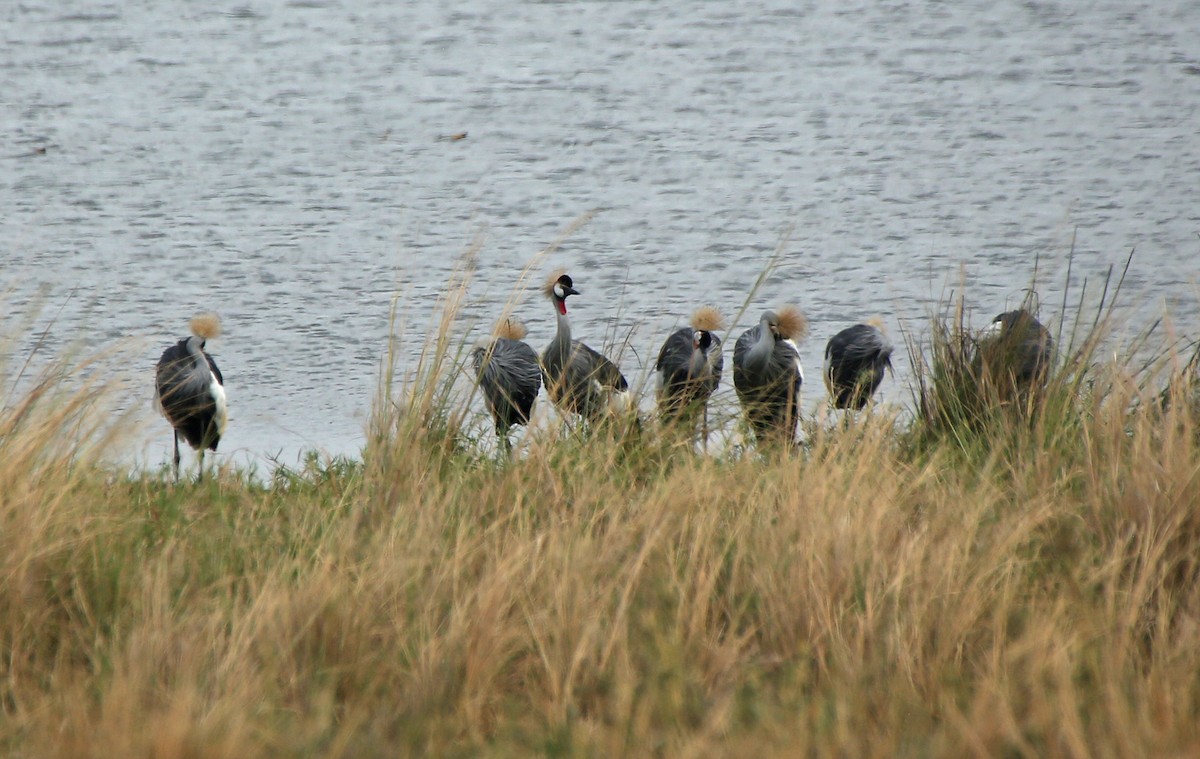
x,y
855,361
689,370
767,374
510,376
578,379
190,390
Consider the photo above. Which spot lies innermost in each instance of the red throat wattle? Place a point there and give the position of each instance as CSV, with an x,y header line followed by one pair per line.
x,y
562,305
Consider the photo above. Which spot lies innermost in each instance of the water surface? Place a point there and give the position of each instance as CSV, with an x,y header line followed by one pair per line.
x,y
290,166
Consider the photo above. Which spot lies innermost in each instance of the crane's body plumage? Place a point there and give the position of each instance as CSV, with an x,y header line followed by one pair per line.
x,y
510,376
767,377
190,392
855,362
578,379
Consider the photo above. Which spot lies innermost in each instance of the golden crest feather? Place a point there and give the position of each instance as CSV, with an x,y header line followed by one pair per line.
x,y
792,323
877,323
511,328
708,319
206,326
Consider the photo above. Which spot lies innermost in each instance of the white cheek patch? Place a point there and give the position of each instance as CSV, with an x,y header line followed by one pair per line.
x,y
558,292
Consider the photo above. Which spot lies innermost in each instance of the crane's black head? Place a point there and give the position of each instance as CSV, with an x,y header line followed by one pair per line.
x,y
564,287
558,288
702,339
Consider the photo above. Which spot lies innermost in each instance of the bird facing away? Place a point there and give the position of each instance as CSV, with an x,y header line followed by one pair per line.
x,y
1017,346
510,376
767,374
190,390
855,361
689,368
578,379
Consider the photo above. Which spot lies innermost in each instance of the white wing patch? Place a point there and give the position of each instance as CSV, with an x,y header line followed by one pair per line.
x,y
222,415
796,348
619,401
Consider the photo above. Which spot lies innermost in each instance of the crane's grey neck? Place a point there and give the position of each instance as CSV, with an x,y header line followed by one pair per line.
x,y
697,362
760,353
195,349
562,338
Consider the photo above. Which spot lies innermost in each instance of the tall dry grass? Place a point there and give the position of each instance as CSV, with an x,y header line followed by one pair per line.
x,y
877,593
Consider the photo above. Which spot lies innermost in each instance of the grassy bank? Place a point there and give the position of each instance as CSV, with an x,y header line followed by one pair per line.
x,y
1021,582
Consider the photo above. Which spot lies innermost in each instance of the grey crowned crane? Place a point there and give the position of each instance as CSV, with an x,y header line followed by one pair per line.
x,y
1016,349
190,390
855,361
767,374
578,379
689,369
510,376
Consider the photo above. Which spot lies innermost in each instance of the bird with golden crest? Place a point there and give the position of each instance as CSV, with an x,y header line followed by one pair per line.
x,y
190,390
579,379
688,370
510,376
767,374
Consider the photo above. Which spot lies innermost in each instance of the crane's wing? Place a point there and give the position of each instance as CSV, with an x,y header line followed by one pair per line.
x,y
213,366
171,372
676,351
518,363
509,366
740,348
744,344
860,343
595,365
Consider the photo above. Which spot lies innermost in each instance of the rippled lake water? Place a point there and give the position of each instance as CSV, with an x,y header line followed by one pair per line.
x,y
290,165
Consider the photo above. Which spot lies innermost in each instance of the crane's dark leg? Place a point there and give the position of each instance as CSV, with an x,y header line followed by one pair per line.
x,y
176,457
502,439
200,478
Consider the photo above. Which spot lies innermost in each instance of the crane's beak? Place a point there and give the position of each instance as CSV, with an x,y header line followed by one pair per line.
x,y
570,291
